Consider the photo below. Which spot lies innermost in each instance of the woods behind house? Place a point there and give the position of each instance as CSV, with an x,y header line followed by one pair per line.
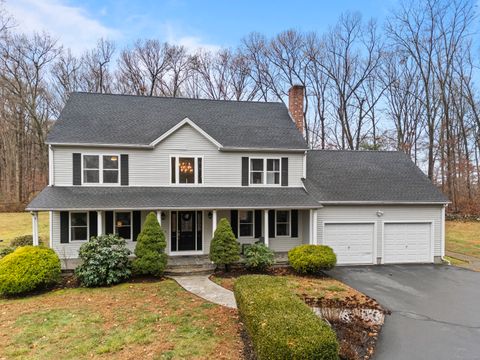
x,y
406,84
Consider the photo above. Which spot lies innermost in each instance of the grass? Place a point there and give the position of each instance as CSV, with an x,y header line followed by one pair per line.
x,y
156,320
455,261
463,237
20,223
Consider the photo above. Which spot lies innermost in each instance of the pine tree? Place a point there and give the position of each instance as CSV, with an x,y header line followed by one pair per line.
x,y
224,248
150,249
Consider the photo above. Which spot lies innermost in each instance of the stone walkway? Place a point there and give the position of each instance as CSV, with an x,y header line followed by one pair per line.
x,y
473,263
203,287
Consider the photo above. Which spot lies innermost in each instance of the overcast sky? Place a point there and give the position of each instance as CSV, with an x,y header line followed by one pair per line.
x,y
208,24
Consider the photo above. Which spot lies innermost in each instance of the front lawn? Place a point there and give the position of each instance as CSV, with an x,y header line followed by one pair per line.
x,y
463,237
157,320
14,224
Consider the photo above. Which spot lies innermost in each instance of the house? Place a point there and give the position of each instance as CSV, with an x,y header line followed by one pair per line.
x,y
115,158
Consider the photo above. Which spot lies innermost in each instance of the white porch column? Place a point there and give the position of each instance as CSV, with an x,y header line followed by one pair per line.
x,y
314,226
214,221
35,228
265,226
159,217
100,230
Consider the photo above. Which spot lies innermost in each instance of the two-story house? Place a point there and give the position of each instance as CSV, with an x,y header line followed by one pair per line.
x,y
114,158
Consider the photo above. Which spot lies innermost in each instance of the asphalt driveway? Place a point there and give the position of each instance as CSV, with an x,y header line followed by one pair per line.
x,y
435,309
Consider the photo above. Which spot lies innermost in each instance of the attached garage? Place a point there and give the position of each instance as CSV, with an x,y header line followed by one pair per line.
x,y
354,243
407,242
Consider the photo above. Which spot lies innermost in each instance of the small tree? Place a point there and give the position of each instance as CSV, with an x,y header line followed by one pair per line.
x,y
224,248
150,249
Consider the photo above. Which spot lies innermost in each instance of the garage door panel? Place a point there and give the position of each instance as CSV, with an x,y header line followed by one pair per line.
x,y
407,242
352,242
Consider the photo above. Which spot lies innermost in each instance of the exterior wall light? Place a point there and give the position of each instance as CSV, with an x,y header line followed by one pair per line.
x,y
379,213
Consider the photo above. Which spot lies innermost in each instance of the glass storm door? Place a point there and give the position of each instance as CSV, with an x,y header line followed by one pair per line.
x,y
186,232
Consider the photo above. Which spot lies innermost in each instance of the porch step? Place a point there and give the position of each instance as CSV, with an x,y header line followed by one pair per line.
x,y
190,269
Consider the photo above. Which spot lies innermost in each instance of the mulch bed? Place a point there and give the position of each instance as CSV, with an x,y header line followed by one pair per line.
x,y
357,339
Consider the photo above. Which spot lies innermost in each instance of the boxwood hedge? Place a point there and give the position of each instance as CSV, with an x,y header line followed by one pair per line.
x,y
281,325
312,259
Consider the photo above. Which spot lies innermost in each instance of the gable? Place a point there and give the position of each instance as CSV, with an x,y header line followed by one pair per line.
x,y
186,123
186,138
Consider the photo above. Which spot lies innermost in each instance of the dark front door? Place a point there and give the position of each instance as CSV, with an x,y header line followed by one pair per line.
x,y
186,230
186,234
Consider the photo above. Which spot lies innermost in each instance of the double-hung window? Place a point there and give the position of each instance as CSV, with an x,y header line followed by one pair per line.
x,y
123,224
78,226
265,171
186,170
245,221
282,223
100,169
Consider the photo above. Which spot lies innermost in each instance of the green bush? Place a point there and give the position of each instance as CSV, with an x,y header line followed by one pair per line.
x,y
24,240
6,250
150,249
28,268
280,325
312,259
104,261
224,248
259,257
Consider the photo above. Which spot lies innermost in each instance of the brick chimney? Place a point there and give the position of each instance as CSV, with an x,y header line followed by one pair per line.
x,y
295,105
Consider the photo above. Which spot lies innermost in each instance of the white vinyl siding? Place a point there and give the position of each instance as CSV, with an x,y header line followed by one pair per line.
x,y
391,213
151,167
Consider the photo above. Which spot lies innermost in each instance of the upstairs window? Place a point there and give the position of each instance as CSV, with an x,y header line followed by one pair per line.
x,y
186,170
265,171
100,169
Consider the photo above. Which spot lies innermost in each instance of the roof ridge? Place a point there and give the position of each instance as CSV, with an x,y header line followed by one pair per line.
x,y
179,98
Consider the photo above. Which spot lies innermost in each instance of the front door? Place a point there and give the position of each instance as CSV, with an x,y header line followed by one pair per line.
x,y
186,232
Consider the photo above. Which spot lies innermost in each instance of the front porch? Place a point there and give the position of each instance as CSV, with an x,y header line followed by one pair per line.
x,y
188,232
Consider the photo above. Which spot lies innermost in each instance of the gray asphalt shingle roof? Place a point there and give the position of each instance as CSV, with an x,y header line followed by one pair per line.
x,y
87,197
89,118
373,176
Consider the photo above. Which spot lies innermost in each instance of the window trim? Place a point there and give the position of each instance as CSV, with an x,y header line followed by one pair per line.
x,y
253,224
289,224
195,170
70,225
131,222
264,171
100,169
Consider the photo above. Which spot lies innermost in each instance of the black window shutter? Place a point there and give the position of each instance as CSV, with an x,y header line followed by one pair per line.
x,y
244,171
108,222
64,227
234,222
258,223
77,169
284,171
294,223
271,223
137,224
92,219
124,169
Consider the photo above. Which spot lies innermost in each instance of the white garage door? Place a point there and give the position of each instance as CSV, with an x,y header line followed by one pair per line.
x,y
407,243
353,243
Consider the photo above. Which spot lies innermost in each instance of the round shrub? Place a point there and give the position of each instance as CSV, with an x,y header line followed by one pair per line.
x,y
311,259
28,268
24,240
104,261
259,257
150,249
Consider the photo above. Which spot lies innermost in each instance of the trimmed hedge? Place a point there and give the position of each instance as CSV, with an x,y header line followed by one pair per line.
x,y
25,240
28,268
280,325
312,259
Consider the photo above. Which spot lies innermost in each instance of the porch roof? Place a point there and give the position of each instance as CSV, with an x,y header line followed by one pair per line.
x,y
107,198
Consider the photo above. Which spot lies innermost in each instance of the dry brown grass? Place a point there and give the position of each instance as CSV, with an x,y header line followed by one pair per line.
x,y
463,237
